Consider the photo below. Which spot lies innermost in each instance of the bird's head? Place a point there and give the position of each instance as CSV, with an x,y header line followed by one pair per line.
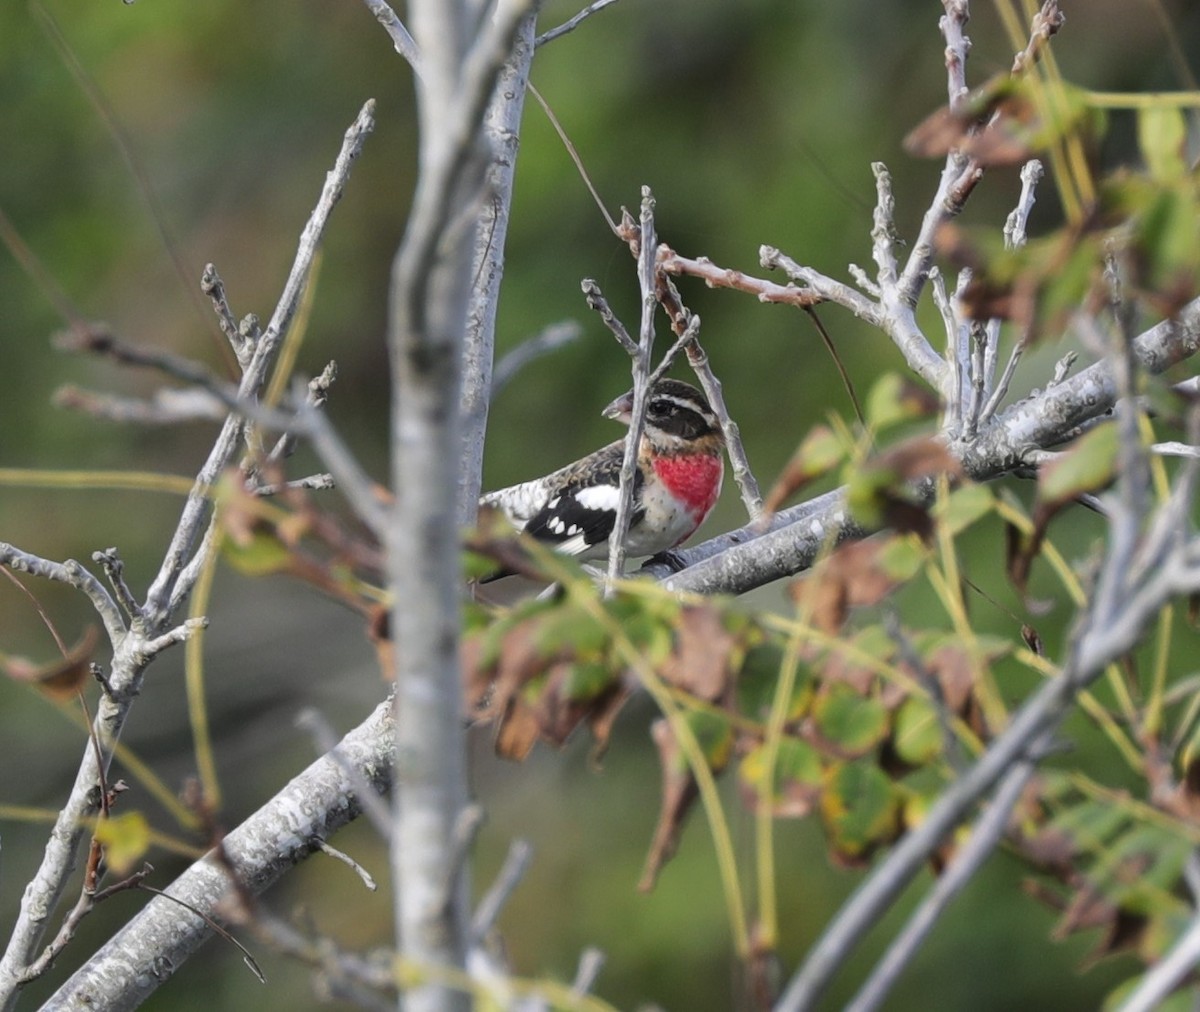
x,y
676,414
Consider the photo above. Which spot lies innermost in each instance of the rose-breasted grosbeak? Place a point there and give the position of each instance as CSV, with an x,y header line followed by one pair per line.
x,y
677,481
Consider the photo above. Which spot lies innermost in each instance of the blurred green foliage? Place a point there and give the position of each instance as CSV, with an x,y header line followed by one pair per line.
x,y
754,121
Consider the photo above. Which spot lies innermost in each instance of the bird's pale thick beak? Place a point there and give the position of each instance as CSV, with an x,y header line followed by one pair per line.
x,y
621,409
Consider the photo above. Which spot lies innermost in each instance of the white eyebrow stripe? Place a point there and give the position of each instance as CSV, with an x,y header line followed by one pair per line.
x,y
688,405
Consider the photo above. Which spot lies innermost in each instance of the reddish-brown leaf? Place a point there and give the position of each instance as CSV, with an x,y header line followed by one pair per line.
x,y
954,670
679,793
919,457
60,679
852,576
379,632
699,664
516,731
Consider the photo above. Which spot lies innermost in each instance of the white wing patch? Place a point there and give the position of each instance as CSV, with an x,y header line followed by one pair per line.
x,y
575,545
603,498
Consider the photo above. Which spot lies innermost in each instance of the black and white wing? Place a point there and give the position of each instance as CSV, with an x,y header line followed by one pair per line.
x,y
581,511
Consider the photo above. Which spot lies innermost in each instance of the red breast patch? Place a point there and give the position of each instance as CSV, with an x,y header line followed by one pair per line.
x,y
694,479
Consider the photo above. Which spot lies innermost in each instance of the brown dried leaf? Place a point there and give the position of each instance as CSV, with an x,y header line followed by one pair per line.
x,y
379,632
851,577
919,457
954,670
699,664
1184,800
557,714
1088,908
679,793
993,126
603,715
60,679
1050,849
516,731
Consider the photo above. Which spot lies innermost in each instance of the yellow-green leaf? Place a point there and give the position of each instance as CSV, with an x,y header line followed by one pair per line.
x,y
796,784
894,399
259,554
1162,137
860,808
901,558
126,838
964,506
917,736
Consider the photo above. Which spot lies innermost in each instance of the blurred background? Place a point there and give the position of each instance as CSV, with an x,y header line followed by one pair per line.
x,y
754,121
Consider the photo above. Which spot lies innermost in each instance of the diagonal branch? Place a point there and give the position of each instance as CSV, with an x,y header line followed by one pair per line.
x,y
135,647
196,509
283,832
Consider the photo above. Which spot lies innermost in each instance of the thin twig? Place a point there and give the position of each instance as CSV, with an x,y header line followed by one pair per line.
x,y
967,861
576,160
554,337
599,304
193,518
516,863
952,418
572,23
958,46
212,286
330,851
591,962
1014,238
167,405
640,359
110,561
99,342
316,395
1168,973
713,276
404,43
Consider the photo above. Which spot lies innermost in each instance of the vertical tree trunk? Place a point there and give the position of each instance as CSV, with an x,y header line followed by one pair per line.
x,y
442,254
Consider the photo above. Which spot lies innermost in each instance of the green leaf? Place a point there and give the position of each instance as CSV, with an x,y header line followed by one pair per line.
x,y
1166,236
875,642
586,681
714,734
901,558
566,631
894,399
796,784
758,680
261,553
646,623
860,809
1162,137
1089,464
917,735
964,506
850,723
1088,824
